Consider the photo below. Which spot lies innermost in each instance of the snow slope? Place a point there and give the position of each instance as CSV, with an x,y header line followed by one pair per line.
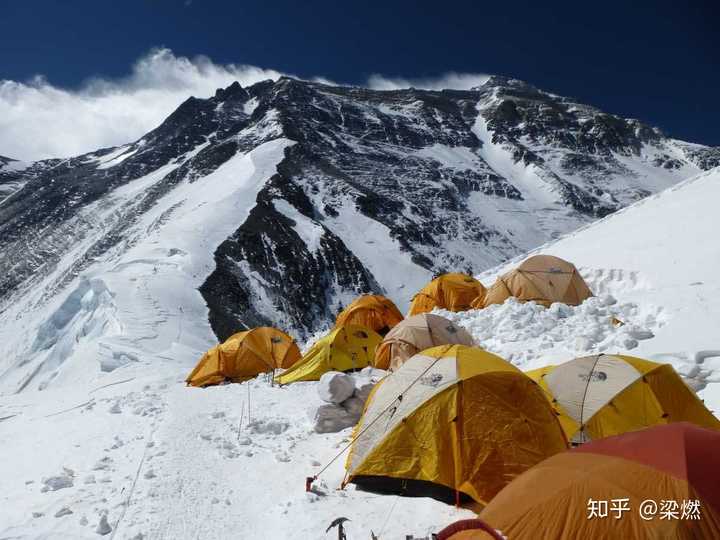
x,y
95,422
161,460
659,259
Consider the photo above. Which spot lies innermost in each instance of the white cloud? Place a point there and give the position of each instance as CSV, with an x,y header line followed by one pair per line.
x,y
39,120
456,81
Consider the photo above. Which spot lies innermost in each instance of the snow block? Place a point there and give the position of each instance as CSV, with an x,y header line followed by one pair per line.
x,y
354,406
363,389
335,387
333,418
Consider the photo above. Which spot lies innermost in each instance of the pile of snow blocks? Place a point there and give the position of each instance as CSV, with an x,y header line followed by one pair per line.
x,y
345,395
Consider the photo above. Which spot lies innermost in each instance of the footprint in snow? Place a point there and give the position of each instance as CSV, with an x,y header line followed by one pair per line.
x,y
103,527
115,409
103,464
54,483
64,511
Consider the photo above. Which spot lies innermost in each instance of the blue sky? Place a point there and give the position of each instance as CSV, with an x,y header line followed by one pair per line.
x,y
657,61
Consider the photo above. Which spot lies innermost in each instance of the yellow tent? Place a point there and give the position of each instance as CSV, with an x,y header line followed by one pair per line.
x,y
346,348
543,279
373,311
245,355
603,395
454,292
452,420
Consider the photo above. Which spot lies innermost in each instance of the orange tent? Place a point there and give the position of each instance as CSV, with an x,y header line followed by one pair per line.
x,y
581,493
454,292
371,311
543,279
245,355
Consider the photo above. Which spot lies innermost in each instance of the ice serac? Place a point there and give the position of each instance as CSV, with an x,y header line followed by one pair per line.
x,y
279,202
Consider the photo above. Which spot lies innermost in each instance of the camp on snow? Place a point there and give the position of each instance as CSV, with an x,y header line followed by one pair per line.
x,y
453,422
345,348
372,311
606,394
543,279
245,355
415,334
454,292
675,462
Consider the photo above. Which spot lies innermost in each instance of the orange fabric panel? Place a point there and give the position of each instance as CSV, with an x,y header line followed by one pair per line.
x,y
454,292
496,294
551,500
372,311
680,449
245,355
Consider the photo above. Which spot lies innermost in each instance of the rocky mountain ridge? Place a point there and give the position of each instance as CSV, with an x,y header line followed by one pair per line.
x,y
375,191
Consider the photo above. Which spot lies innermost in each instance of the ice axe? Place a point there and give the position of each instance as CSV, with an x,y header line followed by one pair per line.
x,y
339,524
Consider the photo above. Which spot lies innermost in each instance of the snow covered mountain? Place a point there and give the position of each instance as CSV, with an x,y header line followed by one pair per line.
x,y
14,174
130,451
282,201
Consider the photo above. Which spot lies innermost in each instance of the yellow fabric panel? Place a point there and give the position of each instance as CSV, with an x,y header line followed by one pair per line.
x,y
359,427
472,361
475,436
537,374
346,348
677,400
551,501
640,364
659,397
506,426
421,447
632,409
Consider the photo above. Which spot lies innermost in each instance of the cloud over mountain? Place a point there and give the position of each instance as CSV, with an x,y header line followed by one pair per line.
x,y
39,120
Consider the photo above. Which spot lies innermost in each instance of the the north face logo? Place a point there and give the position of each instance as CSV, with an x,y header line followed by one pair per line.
x,y
431,380
595,376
